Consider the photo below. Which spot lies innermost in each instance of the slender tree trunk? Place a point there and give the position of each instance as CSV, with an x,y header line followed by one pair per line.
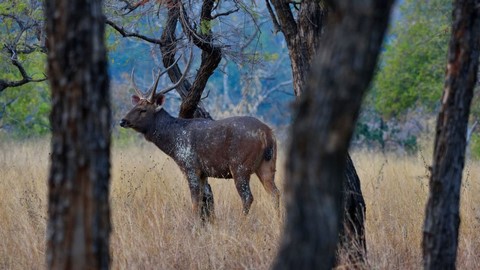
x,y
78,211
327,112
303,37
440,236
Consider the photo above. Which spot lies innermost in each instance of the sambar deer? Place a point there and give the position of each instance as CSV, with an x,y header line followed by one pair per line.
x,y
235,147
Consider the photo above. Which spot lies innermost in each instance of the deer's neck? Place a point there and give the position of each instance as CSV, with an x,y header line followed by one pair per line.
x,y
164,131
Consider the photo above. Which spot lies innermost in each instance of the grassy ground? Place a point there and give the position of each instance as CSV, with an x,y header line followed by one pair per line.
x,y
153,227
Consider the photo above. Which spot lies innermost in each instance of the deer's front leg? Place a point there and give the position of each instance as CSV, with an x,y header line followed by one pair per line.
x,y
197,187
208,208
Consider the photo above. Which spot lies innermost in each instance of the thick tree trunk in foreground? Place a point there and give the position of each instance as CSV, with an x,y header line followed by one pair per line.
x,y
303,37
440,236
79,214
327,112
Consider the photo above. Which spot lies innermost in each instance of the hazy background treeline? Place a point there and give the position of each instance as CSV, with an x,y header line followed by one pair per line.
x,y
254,78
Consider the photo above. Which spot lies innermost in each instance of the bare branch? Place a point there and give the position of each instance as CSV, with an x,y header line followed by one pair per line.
x,y
206,96
27,49
4,84
13,17
276,25
225,13
131,7
203,43
125,33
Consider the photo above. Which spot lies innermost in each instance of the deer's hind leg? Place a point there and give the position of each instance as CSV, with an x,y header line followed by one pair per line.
x,y
242,183
266,174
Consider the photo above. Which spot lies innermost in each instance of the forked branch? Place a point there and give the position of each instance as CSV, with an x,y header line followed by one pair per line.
x,y
4,84
125,33
19,45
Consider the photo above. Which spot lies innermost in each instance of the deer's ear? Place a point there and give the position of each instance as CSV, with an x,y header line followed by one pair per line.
x,y
135,99
159,100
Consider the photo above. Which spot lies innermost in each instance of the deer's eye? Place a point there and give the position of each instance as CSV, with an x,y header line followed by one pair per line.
x,y
143,111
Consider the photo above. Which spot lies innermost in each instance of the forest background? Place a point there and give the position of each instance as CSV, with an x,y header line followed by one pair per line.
x,y
254,78
392,145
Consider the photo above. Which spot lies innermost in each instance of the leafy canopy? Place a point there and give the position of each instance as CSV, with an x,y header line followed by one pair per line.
x,y
412,69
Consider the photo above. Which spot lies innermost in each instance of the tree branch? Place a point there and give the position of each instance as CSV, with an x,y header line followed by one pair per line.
x,y
125,33
204,41
4,84
31,48
211,57
225,13
169,48
276,25
20,44
286,20
132,7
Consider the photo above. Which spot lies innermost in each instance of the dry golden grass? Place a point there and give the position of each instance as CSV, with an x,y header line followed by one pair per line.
x,y
153,227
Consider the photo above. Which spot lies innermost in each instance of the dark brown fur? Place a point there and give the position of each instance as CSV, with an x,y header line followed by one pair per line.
x,y
234,147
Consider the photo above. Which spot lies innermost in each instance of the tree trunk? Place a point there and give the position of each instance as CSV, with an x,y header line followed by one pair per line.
x,y
302,36
440,235
303,39
327,112
352,234
78,211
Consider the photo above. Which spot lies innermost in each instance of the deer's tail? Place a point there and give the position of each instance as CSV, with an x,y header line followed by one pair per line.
x,y
270,151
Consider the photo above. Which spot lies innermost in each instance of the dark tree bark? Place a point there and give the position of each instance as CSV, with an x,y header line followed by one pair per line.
x,y
303,37
327,112
352,234
211,57
440,236
78,212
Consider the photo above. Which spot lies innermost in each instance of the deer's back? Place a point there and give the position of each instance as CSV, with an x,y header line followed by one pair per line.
x,y
231,143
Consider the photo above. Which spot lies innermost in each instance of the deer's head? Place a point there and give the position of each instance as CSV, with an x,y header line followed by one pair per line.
x,y
147,105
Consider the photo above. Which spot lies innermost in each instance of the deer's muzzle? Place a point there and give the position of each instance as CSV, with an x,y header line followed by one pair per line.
x,y
124,123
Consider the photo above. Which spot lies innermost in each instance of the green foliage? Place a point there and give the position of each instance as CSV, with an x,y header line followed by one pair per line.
x,y
125,137
475,146
413,64
371,134
269,57
24,110
374,133
205,27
